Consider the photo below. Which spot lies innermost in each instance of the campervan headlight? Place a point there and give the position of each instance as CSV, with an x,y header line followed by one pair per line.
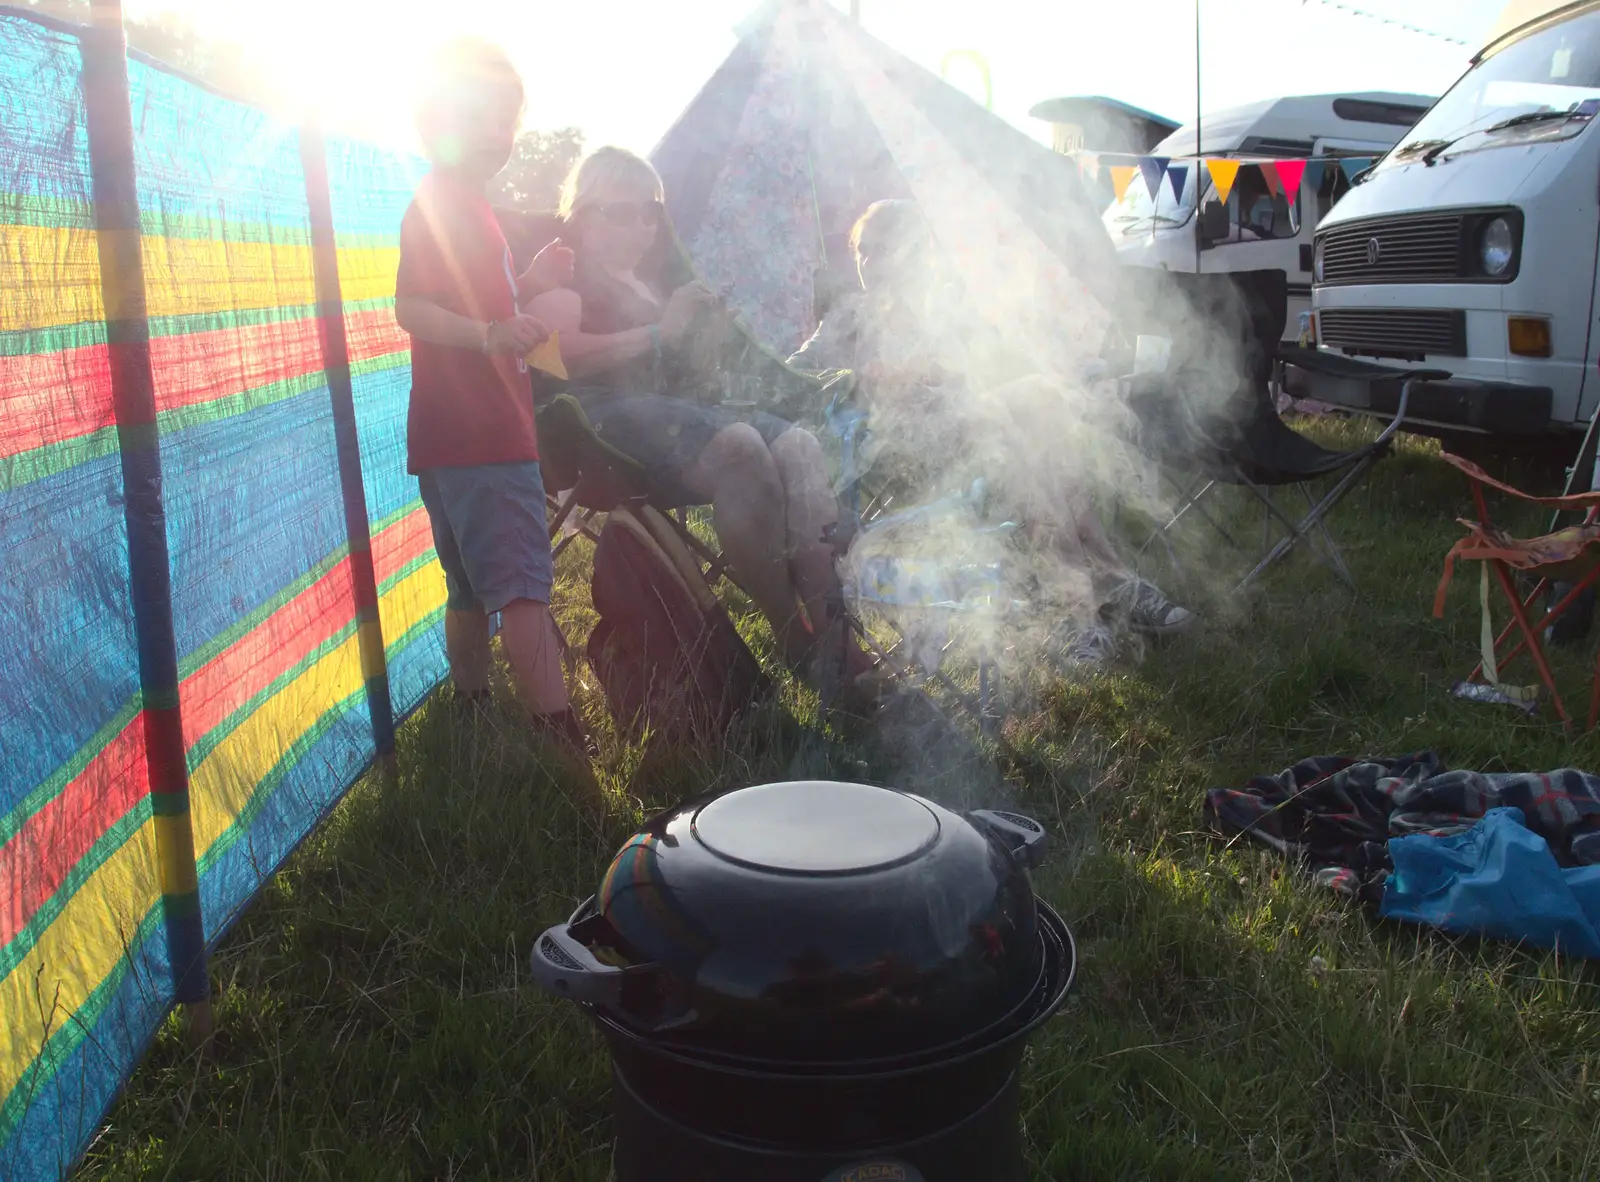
x,y
1316,262
1496,247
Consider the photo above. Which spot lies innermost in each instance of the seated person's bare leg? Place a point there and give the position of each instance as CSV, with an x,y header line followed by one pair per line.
x,y
812,507
739,476
466,641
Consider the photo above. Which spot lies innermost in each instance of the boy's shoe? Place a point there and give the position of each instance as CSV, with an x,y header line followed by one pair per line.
x,y
1149,611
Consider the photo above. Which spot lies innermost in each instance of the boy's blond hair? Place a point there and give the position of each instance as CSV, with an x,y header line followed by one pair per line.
x,y
458,67
605,168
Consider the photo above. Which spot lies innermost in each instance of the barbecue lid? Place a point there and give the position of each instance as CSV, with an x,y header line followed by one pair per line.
x,y
809,921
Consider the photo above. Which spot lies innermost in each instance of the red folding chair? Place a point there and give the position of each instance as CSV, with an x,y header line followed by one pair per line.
x,y
1570,556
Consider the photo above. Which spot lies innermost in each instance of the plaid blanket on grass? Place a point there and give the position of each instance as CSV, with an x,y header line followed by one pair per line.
x,y
1335,815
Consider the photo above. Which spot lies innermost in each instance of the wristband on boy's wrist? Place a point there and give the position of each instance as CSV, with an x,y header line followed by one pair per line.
x,y
488,331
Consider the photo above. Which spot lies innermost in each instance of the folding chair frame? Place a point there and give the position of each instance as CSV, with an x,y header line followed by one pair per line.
x,y
1531,634
1308,528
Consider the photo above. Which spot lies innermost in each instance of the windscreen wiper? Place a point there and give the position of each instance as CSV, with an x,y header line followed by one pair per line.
x,y
1438,147
1159,219
1528,117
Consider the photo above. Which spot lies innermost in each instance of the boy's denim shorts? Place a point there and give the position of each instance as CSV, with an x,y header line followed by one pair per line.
x,y
489,530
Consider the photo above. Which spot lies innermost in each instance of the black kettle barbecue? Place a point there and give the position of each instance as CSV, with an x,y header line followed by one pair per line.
x,y
815,980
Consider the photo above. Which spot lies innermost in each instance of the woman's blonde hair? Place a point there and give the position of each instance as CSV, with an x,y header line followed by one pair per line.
x,y
606,168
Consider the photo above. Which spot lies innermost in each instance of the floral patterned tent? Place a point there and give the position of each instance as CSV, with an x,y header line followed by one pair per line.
x,y
808,121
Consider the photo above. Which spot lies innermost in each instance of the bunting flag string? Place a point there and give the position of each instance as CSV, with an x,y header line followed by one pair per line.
x,y
1280,177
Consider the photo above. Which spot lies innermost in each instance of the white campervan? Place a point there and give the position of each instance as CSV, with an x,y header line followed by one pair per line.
x,y
1472,246
1256,230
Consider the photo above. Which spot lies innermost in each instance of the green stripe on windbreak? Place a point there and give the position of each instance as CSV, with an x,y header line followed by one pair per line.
x,y
248,623
25,342
384,522
50,787
297,751
27,466
63,213
208,742
101,852
426,558
54,213
70,1035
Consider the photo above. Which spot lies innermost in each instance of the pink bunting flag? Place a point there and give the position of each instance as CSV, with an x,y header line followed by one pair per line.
x,y
1290,172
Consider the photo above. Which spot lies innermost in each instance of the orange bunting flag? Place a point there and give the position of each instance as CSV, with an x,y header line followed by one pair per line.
x,y
546,357
1121,177
1269,175
1223,174
1290,172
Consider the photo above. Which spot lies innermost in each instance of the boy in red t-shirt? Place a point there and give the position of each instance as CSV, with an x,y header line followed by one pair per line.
x,y
470,429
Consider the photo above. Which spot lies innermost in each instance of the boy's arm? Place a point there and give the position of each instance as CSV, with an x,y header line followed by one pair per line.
x,y
427,321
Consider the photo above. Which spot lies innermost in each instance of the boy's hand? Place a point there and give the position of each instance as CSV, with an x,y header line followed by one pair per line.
x,y
551,268
517,335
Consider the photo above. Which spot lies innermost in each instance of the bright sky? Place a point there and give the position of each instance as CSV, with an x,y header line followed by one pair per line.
x,y
624,69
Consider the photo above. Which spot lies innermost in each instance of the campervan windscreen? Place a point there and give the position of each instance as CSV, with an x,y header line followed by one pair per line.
x,y
1137,212
1543,87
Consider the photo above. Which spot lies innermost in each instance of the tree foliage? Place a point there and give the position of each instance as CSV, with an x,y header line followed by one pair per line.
x,y
539,164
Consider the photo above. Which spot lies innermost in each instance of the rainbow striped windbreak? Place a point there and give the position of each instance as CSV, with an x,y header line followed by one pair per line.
x,y
273,691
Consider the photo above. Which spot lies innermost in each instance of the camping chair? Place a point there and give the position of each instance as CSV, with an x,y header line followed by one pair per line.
x,y
1569,556
1254,449
893,599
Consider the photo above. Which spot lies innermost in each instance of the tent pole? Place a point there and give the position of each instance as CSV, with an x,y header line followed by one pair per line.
x,y
1199,150
114,185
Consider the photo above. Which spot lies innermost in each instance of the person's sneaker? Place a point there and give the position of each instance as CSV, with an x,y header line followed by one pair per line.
x,y
1148,611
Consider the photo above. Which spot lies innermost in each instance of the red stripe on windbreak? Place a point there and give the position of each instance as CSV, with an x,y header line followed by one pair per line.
x,y
403,540
37,860
48,397
230,679
200,367
374,333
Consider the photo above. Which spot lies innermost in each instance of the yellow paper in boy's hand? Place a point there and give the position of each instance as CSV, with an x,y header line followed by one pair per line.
x,y
546,358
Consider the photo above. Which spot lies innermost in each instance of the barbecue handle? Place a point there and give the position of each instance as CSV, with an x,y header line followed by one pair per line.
x,y
565,966
1025,836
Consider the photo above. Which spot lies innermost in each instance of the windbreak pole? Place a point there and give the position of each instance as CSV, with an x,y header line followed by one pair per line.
x,y
336,365
114,186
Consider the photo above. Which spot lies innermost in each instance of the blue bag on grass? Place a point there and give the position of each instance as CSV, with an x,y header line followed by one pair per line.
x,y
1498,879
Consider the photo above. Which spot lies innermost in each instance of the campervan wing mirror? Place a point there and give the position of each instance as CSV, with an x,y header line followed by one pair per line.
x,y
1214,222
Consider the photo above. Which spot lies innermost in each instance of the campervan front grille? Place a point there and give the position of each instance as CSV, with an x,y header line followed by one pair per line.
x,y
1409,334
1423,249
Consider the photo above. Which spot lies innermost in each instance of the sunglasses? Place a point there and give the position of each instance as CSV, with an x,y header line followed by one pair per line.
x,y
626,213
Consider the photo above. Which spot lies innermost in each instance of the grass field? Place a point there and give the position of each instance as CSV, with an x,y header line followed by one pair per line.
x,y
1231,1021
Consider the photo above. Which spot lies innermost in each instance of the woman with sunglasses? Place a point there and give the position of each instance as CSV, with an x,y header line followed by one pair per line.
x,y
633,351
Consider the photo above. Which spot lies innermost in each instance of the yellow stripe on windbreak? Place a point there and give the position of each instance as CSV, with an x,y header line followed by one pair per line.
x,y
229,775
367,273
410,601
196,276
48,277
76,952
